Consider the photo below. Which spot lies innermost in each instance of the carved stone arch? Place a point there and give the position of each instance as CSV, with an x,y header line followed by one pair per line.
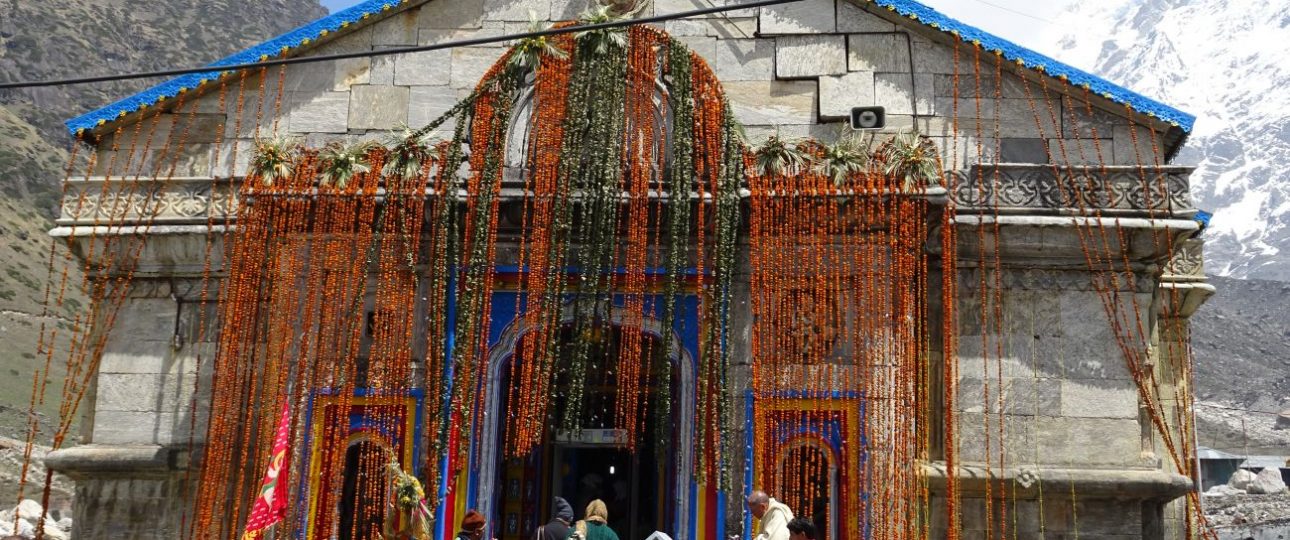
x,y
522,123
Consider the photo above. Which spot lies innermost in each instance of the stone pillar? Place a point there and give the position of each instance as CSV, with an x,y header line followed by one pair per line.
x,y
144,414
1049,420
1183,289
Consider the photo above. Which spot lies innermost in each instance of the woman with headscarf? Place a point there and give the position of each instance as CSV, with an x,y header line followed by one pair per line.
x,y
595,525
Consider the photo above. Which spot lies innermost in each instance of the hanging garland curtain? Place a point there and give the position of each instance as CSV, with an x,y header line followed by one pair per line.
x,y
632,196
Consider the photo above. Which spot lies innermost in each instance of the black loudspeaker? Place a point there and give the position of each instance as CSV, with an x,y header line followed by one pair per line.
x,y
868,118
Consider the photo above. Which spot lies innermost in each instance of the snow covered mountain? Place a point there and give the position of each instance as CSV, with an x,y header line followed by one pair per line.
x,y
1228,62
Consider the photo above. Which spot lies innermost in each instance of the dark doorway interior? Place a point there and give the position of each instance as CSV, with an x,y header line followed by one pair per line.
x,y
360,515
632,483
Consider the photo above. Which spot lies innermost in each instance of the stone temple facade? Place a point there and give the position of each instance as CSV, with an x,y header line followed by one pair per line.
x,y
1080,454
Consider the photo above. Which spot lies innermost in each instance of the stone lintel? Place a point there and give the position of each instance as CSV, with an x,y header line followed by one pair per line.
x,y
98,459
1065,241
1140,484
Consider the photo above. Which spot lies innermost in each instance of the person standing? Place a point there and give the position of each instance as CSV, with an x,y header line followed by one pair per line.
x,y
558,527
772,516
594,524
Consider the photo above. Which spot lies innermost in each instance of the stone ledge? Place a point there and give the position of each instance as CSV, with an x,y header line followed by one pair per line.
x,y
95,459
1140,484
1188,298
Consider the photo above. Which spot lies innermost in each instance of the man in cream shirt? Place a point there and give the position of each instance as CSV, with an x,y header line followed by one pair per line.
x,y
772,515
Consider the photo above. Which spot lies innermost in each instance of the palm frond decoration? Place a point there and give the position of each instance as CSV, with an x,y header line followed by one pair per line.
x,y
341,163
843,159
528,52
911,158
602,40
275,158
777,157
408,154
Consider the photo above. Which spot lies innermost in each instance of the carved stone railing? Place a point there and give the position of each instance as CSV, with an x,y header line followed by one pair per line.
x,y
124,201
1016,188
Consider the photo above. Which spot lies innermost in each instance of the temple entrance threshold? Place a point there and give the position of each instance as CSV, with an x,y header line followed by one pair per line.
x,y
638,485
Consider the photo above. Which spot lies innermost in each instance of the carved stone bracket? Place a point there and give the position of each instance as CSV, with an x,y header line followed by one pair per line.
x,y
1187,262
1039,189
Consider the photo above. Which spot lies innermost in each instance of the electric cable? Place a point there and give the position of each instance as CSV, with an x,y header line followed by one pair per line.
x,y
224,69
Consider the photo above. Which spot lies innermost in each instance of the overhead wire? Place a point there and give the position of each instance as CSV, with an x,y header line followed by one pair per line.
x,y
229,68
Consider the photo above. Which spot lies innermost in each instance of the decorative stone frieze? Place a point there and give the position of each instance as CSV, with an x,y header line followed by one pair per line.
x,y
189,200
1109,190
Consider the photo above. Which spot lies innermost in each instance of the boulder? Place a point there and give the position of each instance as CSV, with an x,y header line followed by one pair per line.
x,y
54,532
29,510
1223,490
25,529
1283,420
1241,479
1267,481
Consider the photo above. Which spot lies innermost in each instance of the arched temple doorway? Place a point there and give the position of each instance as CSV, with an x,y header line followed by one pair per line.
x,y
806,477
596,463
362,489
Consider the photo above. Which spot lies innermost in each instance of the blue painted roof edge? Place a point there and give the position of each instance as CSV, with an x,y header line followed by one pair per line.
x,y
910,9
1022,56
269,49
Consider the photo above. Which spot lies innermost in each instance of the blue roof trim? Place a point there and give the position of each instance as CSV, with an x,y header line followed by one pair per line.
x,y
910,9
1025,57
269,49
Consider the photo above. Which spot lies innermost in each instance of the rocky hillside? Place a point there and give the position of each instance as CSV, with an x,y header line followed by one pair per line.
x,y
1241,340
68,38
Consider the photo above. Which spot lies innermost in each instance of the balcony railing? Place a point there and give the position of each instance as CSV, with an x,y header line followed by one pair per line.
x,y
1017,188
177,201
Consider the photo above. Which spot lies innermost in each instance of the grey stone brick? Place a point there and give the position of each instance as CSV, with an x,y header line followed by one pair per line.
x,y
133,427
515,10
469,64
839,93
398,30
567,10
897,91
663,7
143,392
382,73
704,46
1127,153
427,103
806,17
1023,151
377,107
322,112
877,53
1069,440
1099,398
426,68
743,59
451,15
1082,151
770,103
432,36
810,56
933,57
853,18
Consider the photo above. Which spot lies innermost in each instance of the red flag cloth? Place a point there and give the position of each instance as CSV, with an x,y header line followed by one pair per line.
x,y
270,506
